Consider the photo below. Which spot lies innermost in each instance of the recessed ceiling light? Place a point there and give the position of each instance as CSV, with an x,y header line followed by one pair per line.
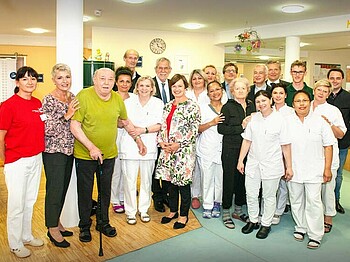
x,y
192,26
264,57
37,30
292,9
302,44
134,1
86,18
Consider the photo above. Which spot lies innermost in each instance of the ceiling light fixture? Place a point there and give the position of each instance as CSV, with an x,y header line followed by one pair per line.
x,y
86,18
192,26
302,44
37,30
292,9
134,1
264,57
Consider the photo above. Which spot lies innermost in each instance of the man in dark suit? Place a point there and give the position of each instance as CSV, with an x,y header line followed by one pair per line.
x,y
274,73
259,78
163,91
230,72
131,57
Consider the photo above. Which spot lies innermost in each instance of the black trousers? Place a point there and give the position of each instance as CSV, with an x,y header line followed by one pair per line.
x,y
233,181
85,181
58,171
185,193
159,187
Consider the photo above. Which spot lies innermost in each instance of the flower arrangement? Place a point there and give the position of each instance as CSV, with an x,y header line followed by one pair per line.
x,y
250,39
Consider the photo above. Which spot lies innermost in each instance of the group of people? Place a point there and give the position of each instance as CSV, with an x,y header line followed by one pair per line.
x,y
191,141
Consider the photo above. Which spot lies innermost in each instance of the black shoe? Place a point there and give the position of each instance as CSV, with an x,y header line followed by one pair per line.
x,y
85,235
158,206
107,230
178,225
166,220
249,227
339,208
62,244
263,232
66,233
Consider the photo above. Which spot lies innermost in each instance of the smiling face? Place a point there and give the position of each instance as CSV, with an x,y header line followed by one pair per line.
x,y
230,73
163,70
26,84
215,92
124,83
130,59
259,75
178,89
279,95
336,80
321,94
62,80
263,104
211,73
144,88
298,73
103,82
273,72
197,81
301,104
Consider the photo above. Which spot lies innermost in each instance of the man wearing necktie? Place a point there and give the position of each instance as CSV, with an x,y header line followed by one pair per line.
x,y
163,91
274,70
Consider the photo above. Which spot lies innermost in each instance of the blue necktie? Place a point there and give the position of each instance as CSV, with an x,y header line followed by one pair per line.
x,y
164,94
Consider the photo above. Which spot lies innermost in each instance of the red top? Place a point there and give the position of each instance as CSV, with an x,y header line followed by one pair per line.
x,y
21,119
169,117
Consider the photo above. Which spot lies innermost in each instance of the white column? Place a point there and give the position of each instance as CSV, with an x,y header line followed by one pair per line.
x,y
292,53
69,50
69,39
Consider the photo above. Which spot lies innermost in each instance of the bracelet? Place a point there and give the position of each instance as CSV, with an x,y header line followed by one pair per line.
x,y
146,130
136,137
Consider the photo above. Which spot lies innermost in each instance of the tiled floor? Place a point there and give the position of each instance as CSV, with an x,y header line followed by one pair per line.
x,y
213,242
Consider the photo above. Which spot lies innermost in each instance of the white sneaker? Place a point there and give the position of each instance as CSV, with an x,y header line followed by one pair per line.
x,y
21,252
35,242
276,220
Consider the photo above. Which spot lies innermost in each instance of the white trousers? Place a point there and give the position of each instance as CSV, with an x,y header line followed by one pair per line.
x,y
196,181
269,189
117,187
211,175
307,210
282,197
328,196
130,169
22,179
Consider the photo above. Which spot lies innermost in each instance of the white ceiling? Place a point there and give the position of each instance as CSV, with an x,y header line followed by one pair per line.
x,y
166,15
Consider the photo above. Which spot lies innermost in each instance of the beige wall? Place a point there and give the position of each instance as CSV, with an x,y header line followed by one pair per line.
x,y
41,58
197,49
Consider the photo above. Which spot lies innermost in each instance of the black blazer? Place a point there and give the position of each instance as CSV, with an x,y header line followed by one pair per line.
x,y
251,93
158,92
134,83
282,82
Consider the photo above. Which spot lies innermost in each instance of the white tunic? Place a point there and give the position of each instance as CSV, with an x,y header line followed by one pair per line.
x,y
141,116
209,143
265,153
308,139
333,115
285,110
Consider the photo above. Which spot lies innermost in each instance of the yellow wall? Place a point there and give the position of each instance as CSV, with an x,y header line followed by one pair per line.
x,y
41,58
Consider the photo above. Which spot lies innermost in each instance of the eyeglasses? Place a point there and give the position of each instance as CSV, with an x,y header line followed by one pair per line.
x,y
230,71
304,101
298,72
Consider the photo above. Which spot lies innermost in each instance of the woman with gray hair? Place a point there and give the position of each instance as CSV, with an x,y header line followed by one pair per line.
x,y
59,107
145,112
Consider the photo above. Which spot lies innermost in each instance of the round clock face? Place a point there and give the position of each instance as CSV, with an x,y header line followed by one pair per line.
x,y
157,45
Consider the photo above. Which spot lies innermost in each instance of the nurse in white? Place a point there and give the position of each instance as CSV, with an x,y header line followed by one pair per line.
x,y
208,151
333,116
145,112
312,142
267,140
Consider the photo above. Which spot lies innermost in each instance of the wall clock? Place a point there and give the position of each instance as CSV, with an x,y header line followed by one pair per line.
x,y
157,45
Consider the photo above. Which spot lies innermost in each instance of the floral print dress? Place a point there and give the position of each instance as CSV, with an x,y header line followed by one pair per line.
x,y
178,167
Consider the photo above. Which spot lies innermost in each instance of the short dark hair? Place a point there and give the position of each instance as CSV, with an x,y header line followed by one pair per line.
x,y
122,70
230,64
262,93
279,85
214,82
336,70
176,78
21,72
301,92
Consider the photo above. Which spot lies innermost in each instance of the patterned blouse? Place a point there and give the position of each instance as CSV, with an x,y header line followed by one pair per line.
x,y
178,167
58,137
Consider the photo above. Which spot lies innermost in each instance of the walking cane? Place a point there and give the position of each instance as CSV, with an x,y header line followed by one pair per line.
x,y
99,222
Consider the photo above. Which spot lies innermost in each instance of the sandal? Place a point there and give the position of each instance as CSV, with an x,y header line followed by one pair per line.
x,y
145,218
327,227
313,244
131,220
298,236
243,217
228,222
